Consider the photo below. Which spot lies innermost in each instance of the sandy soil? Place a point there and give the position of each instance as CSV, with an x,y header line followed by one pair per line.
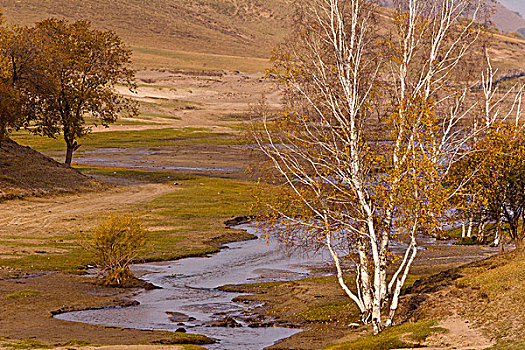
x,y
37,220
461,336
195,100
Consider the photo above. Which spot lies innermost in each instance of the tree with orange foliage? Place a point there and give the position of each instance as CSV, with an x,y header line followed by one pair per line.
x,y
19,72
82,67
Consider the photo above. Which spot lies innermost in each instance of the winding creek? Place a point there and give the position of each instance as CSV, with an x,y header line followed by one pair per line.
x,y
189,291
189,297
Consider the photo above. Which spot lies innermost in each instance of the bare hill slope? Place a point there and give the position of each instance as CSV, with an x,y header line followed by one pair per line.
x,y
25,172
231,27
193,34
508,20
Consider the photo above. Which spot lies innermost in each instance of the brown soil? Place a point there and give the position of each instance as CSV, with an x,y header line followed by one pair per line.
x,y
24,172
302,304
196,100
30,317
460,335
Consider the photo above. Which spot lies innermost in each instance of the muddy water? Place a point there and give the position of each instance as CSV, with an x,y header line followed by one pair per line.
x,y
154,158
189,291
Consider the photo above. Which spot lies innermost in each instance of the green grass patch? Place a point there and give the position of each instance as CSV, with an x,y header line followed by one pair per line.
x,y
24,344
125,139
335,312
261,285
76,342
195,216
134,122
159,115
34,245
411,279
26,293
205,197
170,104
153,86
508,345
72,261
408,335
453,232
176,338
489,231
185,223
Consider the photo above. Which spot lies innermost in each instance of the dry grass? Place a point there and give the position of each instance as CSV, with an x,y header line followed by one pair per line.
x,y
228,27
196,61
490,293
24,172
497,297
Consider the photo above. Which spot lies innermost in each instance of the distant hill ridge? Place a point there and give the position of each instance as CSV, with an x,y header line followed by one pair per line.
x,y
503,18
229,27
508,20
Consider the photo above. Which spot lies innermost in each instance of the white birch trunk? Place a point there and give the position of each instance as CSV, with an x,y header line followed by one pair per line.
x,y
470,226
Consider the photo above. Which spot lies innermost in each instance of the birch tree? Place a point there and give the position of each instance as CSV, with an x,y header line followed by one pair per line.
x,y
378,107
496,162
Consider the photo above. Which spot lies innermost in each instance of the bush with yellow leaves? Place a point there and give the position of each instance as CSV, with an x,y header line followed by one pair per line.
x,y
116,242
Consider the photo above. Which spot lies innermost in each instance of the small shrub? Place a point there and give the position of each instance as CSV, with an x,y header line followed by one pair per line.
x,y
116,242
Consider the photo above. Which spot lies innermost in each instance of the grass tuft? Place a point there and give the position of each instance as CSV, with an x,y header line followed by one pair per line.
x,y
26,293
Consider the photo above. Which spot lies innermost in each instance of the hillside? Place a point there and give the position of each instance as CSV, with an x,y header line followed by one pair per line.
x,y
228,27
489,293
508,20
246,28
25,172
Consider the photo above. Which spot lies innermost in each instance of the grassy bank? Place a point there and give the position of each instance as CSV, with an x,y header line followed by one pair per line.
x,y
188,221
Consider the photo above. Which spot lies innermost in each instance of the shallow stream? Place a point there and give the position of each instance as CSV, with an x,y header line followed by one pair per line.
x,y
189,297
189,291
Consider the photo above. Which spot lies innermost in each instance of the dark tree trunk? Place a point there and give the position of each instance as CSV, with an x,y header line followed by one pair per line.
x,y
69,154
